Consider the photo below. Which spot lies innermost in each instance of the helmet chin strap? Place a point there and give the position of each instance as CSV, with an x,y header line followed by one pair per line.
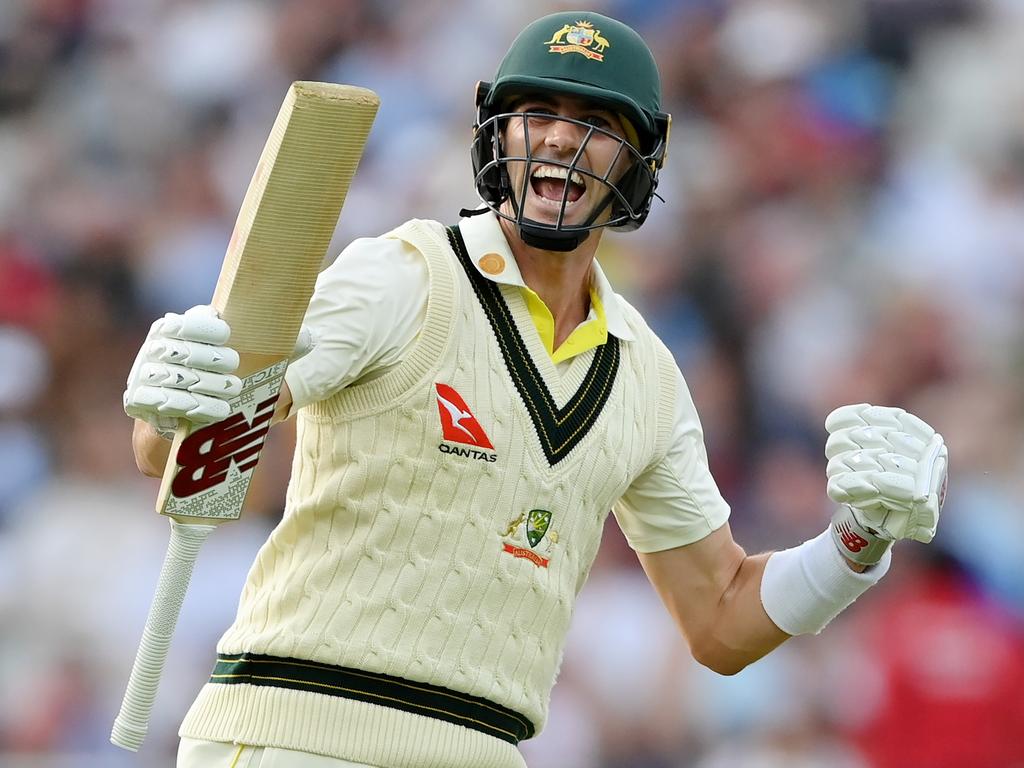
x,y
549,238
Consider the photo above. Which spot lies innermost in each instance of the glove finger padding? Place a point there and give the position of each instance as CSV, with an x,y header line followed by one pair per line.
x,y
871,487
931,482
931,471
890,467
192,354
183,371
886,417
199,323
194,380
863,415
851,439
177,403
870,459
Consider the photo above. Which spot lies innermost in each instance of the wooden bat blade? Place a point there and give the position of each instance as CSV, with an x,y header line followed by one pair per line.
x,y
289,213
281,236
284,227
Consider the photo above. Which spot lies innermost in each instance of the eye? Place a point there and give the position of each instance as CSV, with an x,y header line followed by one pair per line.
x,y
526,105
538,113
598,121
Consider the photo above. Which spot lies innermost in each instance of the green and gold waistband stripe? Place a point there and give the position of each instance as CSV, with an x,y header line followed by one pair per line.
x,y
388,691
559,430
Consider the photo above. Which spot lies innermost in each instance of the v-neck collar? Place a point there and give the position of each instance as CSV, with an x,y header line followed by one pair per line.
x,y
559,429
491,257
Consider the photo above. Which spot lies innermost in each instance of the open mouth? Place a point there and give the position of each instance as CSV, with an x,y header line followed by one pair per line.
x,y
549,183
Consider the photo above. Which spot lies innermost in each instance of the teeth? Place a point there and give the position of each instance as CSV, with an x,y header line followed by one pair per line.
x,y
556,172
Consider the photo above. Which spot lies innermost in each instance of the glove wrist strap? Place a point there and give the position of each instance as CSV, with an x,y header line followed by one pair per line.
x,y
805,587
855,541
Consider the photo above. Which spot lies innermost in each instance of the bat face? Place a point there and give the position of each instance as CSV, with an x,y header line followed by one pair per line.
x,y
215,463
282,233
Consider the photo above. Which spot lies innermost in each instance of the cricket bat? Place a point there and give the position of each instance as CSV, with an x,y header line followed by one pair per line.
x,y
284,228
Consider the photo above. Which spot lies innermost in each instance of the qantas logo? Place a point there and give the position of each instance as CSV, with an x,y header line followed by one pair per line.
x,y
459,425
206,455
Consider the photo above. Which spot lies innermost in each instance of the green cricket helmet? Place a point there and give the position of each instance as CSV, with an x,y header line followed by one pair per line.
x,y
603,62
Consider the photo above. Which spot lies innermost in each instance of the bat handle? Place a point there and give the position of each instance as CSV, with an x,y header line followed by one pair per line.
x,y
133,719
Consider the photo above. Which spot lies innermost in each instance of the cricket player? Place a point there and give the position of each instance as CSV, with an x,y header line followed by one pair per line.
x,y
477,398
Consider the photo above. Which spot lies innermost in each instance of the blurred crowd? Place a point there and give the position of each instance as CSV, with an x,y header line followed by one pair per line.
x,y
843,221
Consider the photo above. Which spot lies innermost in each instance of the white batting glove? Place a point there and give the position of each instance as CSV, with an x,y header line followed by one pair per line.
x,y
888,468
183,371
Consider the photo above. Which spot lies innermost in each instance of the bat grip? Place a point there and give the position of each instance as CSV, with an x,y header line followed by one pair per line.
x,y
133,719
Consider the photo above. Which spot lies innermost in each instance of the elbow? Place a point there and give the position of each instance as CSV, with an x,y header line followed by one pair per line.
x,y
720,659
725,667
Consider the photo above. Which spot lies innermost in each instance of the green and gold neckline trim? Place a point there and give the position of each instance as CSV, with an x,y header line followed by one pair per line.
x,y
559,429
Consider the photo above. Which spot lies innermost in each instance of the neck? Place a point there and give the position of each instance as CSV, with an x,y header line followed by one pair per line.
x,y
560,278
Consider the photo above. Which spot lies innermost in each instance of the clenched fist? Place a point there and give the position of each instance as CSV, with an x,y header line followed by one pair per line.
x,y
183,371
888,468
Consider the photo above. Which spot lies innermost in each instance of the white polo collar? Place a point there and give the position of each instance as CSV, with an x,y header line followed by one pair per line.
x,y
490,254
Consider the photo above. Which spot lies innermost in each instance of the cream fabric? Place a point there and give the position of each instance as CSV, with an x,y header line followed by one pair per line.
x,y
368,310
195,753
405,554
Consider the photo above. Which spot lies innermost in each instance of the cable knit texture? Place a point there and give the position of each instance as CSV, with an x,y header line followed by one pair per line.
x,y
394,555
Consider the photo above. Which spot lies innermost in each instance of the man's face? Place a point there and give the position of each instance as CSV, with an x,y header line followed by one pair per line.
x,y
545,138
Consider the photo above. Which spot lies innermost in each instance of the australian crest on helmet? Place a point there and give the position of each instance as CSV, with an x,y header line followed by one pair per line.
x,y
581,38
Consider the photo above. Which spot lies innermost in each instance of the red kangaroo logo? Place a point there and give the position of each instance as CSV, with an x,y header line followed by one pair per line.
x,y
458,424
233,439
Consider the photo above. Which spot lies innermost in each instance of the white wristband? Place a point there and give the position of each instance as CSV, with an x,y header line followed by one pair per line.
x,y
805,587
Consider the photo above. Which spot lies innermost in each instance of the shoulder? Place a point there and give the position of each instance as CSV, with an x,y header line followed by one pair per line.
x,y
657,367
641,331
419,233
386,249
631,315
371,265
393,260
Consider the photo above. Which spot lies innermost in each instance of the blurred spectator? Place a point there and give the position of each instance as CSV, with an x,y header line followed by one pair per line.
x,y
843,221
935,657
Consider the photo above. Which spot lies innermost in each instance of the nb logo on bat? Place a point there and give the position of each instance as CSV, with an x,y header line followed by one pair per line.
x,y
205,456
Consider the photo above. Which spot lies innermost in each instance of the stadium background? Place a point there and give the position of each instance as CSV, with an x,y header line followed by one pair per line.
x,y
844,222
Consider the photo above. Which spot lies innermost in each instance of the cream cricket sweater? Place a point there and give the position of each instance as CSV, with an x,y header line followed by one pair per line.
x,y
440,521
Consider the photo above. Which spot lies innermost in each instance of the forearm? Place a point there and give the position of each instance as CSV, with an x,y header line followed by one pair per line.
x,y
151,450
734,608
740,631
712,589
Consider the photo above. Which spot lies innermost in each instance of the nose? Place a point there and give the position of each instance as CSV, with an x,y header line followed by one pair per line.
x,y
563,136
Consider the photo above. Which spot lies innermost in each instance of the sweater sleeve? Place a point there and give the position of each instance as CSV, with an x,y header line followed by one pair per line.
x,y
676,500
367,310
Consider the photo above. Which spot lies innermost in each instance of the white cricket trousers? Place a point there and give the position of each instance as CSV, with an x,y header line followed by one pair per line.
x,y
193,753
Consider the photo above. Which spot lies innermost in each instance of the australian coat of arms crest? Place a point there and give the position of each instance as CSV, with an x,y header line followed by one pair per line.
x,y
581,38
529,537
